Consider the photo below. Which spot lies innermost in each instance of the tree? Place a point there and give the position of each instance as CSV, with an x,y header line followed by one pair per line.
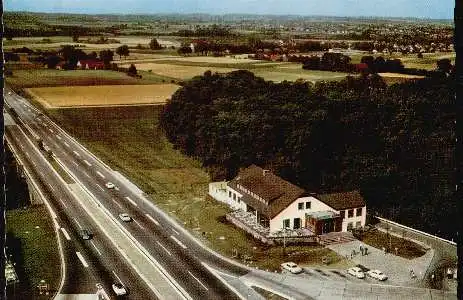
x,y
184,50
132,70
444,65
52,61
123,50
106,56
71,55
154,44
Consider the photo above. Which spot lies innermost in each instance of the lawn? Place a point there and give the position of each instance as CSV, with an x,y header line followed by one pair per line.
x,y
32,242
129,139
47,78
104,95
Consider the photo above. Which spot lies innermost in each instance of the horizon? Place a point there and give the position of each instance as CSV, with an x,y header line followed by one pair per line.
x,y
402,9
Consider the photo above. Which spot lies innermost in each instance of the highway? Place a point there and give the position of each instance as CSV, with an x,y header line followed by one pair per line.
x,y
87,262
168,244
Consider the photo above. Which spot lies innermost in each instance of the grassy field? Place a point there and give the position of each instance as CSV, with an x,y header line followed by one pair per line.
x,y
428,62
47,78
32,242
104,95
129,139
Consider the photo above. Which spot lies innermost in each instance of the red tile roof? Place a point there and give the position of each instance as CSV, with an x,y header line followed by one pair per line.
x,y
340,201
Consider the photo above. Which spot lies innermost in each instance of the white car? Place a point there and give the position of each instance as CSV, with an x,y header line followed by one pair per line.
x,y
377,274
356,271
110,185
291,267
125,217
119,289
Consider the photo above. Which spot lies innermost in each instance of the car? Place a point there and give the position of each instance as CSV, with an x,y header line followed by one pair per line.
x,y
125,217
85,234
377,274
110,185
291,267
9,93
356,271
119,289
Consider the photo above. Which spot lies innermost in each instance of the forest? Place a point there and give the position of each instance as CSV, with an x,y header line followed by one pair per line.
x,y
393,143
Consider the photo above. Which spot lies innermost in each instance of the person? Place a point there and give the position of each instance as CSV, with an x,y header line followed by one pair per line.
x,y
361,249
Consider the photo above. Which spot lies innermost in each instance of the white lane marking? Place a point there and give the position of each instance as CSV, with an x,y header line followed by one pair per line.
x,y
152,219
51,130
87,163
27,154
82,260
165,249
118,204
44,124
58,137
52,188
178,242
95,247
86,174
198,281
78,224
67,145
101,175
131,201
139,225
117,277
75,163
76,153
64,204
66,235
99,186
175,231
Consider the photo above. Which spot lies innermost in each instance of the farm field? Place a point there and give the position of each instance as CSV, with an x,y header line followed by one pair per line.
x,y
179,71
47,77
105,95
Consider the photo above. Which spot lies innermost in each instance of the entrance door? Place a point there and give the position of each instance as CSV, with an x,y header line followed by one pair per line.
x,y
297,223
328,226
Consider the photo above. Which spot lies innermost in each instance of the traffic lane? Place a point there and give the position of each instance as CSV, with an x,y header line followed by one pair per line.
x,y
89,253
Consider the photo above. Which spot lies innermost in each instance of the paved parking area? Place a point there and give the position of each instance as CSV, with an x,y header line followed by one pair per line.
x,y
395,267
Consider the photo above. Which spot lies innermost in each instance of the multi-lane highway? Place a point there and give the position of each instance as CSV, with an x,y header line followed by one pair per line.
x,y
166,242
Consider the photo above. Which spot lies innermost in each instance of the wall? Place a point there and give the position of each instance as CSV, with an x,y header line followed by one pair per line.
x,y
354,219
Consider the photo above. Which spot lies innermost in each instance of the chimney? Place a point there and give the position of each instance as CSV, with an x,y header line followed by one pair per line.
x,y
264,172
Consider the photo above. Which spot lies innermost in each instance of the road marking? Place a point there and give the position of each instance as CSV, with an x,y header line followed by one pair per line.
x,y
95,247
198,281
131,201
51,130
76,153
101,175
27,154
118,204
64,204
44,124
86,174
77,223
58,137
139,225
75,163
117,277
175,231
178,242
100,187
67,145
52,188
88,164
66,235
152,219
82,260
165,249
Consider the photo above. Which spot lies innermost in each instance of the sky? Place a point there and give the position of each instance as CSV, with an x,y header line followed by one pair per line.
x,y
433,9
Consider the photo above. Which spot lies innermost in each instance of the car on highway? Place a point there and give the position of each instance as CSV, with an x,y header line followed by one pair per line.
x,y
85,234
110,185
9,93
125,217
356,271
377,274
291,267
119,289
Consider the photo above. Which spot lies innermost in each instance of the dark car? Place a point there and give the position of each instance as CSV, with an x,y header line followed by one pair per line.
x,y
86,235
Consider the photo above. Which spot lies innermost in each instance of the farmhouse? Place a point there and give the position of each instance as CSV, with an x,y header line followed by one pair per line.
x,y
92,64
267,204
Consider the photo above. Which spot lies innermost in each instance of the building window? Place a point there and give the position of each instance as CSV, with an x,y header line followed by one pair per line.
x,y
358,224
359,212
229,194
300,205
239,199
234,196
308,205
286,223
350,213
349,226
297,223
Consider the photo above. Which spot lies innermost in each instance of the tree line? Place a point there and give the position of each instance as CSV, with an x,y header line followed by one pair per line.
x,y
395,144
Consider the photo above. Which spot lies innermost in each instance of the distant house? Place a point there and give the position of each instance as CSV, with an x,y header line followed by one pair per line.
x,y
275,204
60,65
361,67
90,64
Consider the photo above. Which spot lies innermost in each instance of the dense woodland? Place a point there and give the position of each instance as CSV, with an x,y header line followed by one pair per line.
x,y
394,143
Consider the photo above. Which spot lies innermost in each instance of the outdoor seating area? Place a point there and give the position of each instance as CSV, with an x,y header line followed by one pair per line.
x,y
250,220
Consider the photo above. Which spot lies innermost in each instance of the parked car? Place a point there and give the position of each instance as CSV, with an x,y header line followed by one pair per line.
x,y
85,234
291,267
356,271
119,289
125,217
110,185
377,274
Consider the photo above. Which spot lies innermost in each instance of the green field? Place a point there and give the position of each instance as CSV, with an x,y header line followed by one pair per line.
x,y
48,77
428,62
129,139
32,241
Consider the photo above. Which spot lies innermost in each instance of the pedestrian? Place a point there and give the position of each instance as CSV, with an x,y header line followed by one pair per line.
x,y
361,250
365,250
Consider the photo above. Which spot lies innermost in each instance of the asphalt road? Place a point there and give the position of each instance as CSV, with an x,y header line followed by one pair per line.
x,y
181,256
87,262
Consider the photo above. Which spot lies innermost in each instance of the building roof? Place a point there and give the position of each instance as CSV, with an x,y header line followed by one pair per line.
x,y
344,200
274,193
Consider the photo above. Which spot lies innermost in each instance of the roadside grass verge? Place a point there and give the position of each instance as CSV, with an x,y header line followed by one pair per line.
x,y
267,294
32,243
130,141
